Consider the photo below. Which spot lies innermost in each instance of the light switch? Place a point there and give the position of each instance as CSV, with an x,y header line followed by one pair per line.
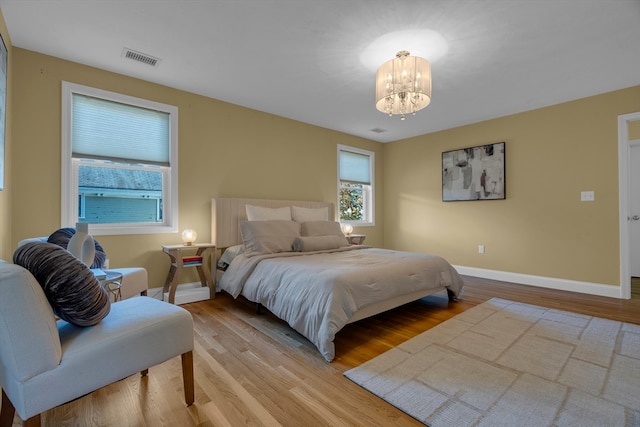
x,y
587,196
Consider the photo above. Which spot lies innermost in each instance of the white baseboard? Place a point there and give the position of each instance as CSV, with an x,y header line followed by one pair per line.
x,y
185,293
192,292
611,291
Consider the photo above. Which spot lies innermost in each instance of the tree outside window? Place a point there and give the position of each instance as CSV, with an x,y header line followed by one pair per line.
x,y
351,202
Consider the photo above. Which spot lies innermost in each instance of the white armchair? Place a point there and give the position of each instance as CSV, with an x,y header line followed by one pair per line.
x,y
134,279
45,363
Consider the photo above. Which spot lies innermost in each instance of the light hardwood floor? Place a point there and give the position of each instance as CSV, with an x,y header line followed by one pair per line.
x,y
254,370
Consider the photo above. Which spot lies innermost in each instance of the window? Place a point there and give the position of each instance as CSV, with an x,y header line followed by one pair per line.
x,y
355,186
119,162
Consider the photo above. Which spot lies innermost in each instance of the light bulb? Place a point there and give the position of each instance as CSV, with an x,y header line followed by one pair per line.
x,y
347,229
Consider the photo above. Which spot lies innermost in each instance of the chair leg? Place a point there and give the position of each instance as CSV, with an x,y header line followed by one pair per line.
x,y
7,411
187,377
33,421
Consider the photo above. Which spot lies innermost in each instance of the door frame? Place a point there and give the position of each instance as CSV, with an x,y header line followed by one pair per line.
x,y
624,189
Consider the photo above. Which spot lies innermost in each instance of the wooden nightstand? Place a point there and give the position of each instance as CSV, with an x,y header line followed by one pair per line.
x,y
202,260
356,239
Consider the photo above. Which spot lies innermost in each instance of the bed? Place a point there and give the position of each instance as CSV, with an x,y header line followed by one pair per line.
x,y
303,270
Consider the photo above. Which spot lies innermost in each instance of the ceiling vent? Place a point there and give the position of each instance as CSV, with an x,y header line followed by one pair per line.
x,y
140,57
378,130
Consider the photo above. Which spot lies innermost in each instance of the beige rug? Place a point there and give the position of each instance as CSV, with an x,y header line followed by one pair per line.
x,y
510,364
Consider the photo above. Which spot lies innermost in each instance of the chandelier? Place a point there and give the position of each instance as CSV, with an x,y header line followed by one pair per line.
x,y
403,85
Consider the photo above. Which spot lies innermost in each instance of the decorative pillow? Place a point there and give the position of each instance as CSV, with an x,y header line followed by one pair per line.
x,y
258,213
62,236
318,243
321,228
301,214
268,237
71,288
228,255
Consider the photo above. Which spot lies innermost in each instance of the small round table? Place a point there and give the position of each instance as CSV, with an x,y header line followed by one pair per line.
x,y
112,284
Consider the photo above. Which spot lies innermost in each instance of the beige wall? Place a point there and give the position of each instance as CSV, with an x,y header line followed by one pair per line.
x,y
542,228
224,151
6,250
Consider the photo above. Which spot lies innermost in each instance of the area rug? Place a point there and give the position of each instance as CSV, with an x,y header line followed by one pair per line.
x,y
504,363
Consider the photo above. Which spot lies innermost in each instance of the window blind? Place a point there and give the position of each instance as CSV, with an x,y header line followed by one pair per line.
x,y
114,131
355,168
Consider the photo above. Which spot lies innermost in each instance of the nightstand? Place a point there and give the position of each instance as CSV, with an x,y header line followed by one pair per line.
x,y
202,260
356,239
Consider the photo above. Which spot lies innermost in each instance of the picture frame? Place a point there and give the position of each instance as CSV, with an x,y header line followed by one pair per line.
x,y
3,106
474,173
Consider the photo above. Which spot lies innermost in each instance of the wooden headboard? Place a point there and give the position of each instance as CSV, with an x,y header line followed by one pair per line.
x,y
226,214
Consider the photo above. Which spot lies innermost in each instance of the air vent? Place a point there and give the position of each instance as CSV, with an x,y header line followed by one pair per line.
x,y
378,130
140,57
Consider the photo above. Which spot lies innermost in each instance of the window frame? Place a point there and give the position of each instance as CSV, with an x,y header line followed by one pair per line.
x,y
369,196
70,166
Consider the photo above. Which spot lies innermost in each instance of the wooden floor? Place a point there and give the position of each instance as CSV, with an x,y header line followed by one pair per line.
x,y
254,370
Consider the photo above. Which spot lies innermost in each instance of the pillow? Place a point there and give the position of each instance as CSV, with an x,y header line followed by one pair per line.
x,y
268,237
71,288
318,243
62,236
321,228
301,214
228,255
258,213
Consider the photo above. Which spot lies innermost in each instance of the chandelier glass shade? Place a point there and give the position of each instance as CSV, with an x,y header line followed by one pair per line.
x,y
403,85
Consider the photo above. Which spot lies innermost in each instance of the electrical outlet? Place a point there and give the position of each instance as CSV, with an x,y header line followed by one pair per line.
x,y
587,196
480,249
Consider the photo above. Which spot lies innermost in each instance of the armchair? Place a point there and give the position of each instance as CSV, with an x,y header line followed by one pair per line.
x,y
45,363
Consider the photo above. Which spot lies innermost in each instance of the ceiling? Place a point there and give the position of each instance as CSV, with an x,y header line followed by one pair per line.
x,y
314,61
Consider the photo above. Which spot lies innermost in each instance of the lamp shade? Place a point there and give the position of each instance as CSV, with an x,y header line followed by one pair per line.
x,y
189,236
403,85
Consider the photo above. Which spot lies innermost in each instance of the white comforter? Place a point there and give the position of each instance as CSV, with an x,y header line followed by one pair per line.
x,y
318,292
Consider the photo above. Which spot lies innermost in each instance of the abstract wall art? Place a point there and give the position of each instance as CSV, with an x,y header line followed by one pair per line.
x,y
475,173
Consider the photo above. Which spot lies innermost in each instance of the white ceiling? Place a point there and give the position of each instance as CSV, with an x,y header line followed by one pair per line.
x,y
301,59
